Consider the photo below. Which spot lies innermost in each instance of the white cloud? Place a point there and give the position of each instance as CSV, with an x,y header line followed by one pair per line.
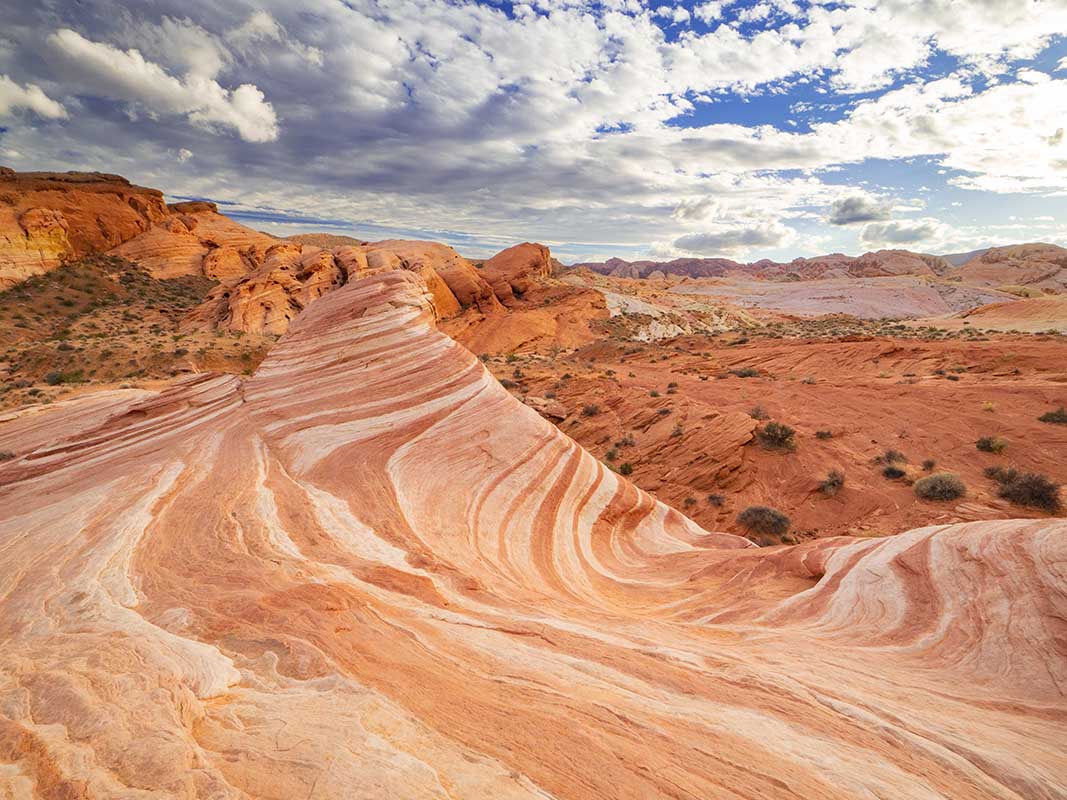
x,y
858,208
1032,76
901,233
262,28
104,70
735,240
30,97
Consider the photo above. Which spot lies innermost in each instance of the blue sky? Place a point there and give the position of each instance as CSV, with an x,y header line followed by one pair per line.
x,y
610,128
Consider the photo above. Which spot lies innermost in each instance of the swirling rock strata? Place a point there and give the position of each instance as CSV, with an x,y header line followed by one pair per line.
x,y
367,571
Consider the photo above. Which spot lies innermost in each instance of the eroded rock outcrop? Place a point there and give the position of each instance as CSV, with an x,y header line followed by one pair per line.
x,y
1042,267
47,218
517,269
194,239
368,571
292,274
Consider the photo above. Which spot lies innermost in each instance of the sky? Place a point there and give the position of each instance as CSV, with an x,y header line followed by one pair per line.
x,y
747,130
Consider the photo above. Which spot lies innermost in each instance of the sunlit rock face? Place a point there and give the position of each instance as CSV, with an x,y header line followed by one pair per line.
x,y
366,571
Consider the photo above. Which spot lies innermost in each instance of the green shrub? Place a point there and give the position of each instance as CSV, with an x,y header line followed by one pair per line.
x,y
991,444
626,469
1057,417
891,456
940,486
746,372
763,520
776,436
1027,489
833,483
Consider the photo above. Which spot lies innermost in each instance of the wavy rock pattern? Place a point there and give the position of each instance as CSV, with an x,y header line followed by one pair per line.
x,y
367,572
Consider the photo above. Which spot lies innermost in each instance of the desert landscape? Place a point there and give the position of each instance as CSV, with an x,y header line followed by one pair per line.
x,y
555,399
370,519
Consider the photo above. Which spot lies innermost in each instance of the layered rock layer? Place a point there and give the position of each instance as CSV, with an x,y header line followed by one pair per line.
x,y
368,571
47,218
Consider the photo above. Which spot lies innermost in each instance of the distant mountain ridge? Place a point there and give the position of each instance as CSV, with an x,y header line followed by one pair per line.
x,y
1039,266
833,265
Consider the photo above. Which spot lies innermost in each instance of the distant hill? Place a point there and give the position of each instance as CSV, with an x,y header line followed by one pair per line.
x,y
835,265
959,259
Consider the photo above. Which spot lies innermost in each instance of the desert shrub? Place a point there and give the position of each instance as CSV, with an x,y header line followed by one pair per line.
x,y
511,358
776,436
929,464
716,500
991,444
893,472
626,469
758,412
745,372
1001,474
6,455
653,393
590,410
507,383
990,407
59,378
763,520
611,455
891,456
824,434
678,429
940,486
1057,417
833,483
689,502
1027,489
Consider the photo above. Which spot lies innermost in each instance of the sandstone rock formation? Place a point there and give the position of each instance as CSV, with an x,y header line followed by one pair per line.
x,y
291,275
367,571
1038,266
514,271
194,239
47,217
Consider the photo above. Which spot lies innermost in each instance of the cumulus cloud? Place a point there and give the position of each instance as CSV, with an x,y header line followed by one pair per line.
x,y
30,97
734,240
858,208
261,28
109,72
901,232
425,114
